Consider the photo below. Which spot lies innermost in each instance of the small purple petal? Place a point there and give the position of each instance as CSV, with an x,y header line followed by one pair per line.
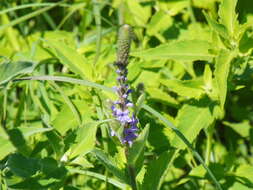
x,y
129,104
129,91
116,102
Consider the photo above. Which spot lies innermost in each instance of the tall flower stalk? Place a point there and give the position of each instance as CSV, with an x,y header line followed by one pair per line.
x,y
121,107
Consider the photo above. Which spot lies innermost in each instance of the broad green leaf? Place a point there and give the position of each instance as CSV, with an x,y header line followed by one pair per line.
x,y
239,186
22,166
85,141
161,96
71,58
109,163
191,118
242,128
157,170
9,70
136,150
222,68
65,120
149,78
187,88
186,50
244,174
228,15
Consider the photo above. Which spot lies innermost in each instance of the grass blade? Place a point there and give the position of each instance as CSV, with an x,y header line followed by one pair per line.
x,y
69,80
28,16
100,176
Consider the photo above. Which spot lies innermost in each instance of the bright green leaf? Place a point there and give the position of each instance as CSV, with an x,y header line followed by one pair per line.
x,y
157,170
191,119
187,50
187,88
222,68
71,58
9,70
228,15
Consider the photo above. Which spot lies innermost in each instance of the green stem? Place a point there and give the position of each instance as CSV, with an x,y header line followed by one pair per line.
x,y
131,172
208,147
190,9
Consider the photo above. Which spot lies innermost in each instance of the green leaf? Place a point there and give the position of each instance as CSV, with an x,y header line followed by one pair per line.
x,y
239,186
85,141
242,128
29,131
218,28
160,96
109,163
9,70
22,166
245,171
183,139
65,120
186,50
222,68
160,21
156,171
140,14
71,58
6,147
191,119
187,88
246,42
228,15
136,151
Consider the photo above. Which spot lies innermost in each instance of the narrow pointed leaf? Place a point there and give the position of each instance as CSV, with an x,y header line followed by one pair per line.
x,y
228,15
222,68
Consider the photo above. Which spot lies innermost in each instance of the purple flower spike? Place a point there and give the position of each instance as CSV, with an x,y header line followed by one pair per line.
x,y
121,108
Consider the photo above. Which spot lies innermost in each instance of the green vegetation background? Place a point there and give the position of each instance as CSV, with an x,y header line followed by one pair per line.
x,y
191,61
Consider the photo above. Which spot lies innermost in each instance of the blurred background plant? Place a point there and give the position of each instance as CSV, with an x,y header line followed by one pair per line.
x,y
191,61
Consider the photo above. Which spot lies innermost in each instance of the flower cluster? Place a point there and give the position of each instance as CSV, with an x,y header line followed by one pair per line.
x,y
121,107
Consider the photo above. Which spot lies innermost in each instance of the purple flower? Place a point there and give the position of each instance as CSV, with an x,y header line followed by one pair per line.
x,y
121,107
